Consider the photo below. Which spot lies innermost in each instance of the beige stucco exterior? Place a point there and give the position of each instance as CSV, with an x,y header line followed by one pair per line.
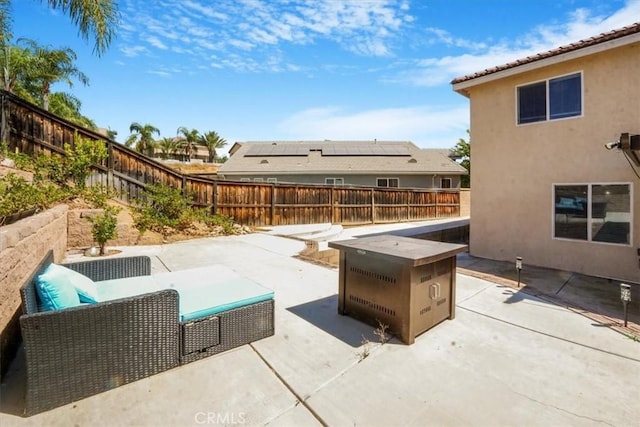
x,y
516,166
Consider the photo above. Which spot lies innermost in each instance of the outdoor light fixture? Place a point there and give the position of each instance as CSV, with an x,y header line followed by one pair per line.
x,y
629,144
612,145
625,297
519,267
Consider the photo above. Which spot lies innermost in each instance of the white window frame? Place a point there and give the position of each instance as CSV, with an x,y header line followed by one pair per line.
x,y
245,179
333,181
258,179
590,186
272,180
446,179
548,109
387,180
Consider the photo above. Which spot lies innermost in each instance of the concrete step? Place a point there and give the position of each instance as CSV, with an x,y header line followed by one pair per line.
x,y
300,231
324,235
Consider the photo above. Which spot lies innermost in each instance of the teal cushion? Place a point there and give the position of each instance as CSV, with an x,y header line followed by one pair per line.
x,y
55,290
84,286
203,291
204,301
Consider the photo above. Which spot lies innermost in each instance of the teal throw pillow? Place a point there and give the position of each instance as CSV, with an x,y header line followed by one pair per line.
x,y
60,287
55,292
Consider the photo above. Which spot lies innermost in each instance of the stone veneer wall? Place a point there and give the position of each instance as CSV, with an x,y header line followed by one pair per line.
x,y
22,246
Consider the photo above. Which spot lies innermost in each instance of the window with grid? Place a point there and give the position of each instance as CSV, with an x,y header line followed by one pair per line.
x,y
552,99
388,182
334,181
593,212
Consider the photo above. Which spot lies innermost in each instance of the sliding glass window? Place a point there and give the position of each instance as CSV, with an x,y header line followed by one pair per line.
x,y
593,212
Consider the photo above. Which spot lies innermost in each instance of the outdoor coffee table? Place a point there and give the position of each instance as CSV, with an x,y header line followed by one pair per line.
x,y
407,284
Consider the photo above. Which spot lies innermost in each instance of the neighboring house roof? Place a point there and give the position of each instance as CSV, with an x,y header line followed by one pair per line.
x,y
604,41
337,158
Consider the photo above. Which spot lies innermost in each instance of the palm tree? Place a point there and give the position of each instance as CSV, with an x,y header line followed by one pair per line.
x,y
189,138
142,137
15,62
48,66
112,134
68,107
5,45
213,142
99,18
168,147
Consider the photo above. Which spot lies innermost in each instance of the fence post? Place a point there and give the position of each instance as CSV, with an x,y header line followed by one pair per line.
x,y
332,198
214,207
273,203
373,206
110,182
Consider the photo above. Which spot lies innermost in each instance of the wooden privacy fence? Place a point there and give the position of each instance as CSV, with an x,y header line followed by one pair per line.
x,y
33,130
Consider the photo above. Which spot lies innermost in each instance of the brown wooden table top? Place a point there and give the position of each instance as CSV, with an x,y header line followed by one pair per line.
x,y
399,249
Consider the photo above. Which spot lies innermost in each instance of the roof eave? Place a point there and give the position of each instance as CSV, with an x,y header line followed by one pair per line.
x,y
461,87
355,172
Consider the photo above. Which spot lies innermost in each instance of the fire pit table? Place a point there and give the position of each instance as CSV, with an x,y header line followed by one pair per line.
x,y
407,284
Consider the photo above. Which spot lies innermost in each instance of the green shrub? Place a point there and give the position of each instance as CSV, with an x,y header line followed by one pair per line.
x,y
104,226
161,207
18,195
51,168
98,195
79,159
223,221
22,161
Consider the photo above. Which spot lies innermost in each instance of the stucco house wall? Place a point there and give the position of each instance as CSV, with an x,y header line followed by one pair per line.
x,y
516,166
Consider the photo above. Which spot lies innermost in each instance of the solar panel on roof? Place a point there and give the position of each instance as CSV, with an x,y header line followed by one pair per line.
x,y
265,150
362,149
328,149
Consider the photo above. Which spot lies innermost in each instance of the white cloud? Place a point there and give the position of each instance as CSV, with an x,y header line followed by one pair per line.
x,y
155,42
366,28
425,126
133,51
210,12
251,32
581,24
161,73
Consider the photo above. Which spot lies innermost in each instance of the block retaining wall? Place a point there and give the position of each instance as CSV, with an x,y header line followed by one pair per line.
x,y
22,246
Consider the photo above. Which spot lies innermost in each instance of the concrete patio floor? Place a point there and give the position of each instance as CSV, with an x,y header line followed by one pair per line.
x,y
510,357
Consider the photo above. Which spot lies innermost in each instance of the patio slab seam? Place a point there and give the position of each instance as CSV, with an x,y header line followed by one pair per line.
x,y
299,398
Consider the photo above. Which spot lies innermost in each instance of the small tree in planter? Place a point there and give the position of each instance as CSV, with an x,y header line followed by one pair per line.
x,y
104,226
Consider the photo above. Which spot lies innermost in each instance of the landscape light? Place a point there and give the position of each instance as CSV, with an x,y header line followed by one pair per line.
x,y
625,297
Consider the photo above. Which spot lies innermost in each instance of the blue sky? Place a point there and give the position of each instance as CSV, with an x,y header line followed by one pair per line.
x,y
308,69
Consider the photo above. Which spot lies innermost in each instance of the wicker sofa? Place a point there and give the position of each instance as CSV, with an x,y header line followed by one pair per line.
x,y
80,351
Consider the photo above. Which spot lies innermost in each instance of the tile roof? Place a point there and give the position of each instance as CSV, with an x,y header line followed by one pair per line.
x,y
322,157
601,38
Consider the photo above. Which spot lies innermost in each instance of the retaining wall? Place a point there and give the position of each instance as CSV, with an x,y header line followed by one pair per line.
x,y
22,246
